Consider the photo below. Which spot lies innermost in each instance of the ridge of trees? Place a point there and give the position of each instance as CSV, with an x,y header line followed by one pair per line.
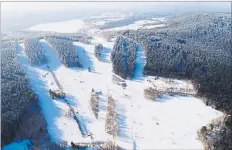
x,y
197,47
16,94
123,57
66,51
33,51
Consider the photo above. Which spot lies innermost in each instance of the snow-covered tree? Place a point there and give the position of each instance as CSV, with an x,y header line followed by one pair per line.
x,y
196,46
123,57
16,94
66,51
111,118
33,51
98,50
94,101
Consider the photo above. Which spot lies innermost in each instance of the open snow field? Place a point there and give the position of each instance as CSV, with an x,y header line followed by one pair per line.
x,y
108,17
60,27
73,26
141,24
169,122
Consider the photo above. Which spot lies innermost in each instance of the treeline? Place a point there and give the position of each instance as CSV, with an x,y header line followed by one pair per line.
x,y
118,58
16,94
66,51
74,38
94,102
216,135
111,118
197,47
33,51
123,57
98,50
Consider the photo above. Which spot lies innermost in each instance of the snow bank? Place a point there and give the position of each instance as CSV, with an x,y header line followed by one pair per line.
x,y
70,26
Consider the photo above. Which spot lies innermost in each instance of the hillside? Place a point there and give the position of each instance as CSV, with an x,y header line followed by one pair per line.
x,y
151,83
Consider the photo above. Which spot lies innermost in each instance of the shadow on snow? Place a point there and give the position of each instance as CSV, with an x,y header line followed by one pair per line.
x,y
49,109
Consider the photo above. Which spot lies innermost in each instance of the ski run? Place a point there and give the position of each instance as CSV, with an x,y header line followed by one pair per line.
x,y
169,122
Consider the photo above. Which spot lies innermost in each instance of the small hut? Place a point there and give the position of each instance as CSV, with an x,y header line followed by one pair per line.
x,y
57,94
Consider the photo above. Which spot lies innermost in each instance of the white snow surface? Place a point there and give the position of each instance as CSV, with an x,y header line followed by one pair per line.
x,y
141,24
169,122
70,26
108,17
78,25
103,21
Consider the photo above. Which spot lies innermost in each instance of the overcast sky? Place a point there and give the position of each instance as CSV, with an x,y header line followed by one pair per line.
x,y
28,7
23,14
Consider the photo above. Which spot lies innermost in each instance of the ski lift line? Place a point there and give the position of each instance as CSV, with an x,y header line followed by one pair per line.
x,y
56,80
81,126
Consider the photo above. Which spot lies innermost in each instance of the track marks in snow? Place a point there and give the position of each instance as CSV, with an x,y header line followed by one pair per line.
x,y
102,81
102,108
170,122
40,81
78,82
139,63
69,100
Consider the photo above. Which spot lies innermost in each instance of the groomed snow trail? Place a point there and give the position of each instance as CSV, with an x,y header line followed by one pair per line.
x,y
74,114
170,122
76,84
101,80
60,127
139,63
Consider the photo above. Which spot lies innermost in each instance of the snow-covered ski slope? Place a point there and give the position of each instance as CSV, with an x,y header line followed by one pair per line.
x,y
169,122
